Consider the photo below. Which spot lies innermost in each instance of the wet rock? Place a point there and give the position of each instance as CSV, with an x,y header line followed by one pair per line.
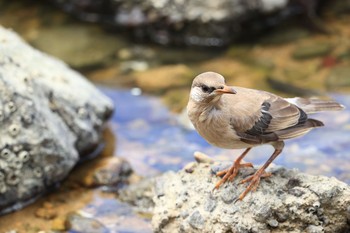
x,y
50,116
339,78
140,195
78,223
197,22
165,77
80,47
105,171
284,35
288,87
59,224
176,99
47,211
312,50
272,208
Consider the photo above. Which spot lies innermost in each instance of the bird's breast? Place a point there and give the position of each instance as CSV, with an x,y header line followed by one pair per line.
x,y
216,130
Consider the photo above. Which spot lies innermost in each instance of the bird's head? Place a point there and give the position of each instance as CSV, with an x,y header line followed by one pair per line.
x,y
209,87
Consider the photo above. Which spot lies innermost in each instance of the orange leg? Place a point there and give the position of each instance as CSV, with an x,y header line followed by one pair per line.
x,y
255,179
231,173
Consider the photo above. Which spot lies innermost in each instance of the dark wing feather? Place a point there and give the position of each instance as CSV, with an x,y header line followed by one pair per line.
x,y
279,120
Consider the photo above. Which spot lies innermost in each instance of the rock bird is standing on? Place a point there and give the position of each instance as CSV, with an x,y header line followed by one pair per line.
x,y
236,118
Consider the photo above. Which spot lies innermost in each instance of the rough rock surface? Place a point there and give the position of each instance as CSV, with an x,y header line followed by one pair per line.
x,y
288,201
49,115
196,22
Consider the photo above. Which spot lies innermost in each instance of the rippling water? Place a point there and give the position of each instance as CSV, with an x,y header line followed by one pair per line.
x,y
153,140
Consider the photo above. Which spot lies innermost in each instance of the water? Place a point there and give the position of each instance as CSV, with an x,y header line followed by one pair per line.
x,y
153,140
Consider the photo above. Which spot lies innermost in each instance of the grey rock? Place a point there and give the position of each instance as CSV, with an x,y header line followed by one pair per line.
x,y
80,47
314,229
312,50
272,222
140,195
78,223
339,78
50,118
196,22
273,207
210,204
196,220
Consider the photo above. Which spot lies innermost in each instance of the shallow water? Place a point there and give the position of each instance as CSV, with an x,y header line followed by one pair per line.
x,y
153,141
151,137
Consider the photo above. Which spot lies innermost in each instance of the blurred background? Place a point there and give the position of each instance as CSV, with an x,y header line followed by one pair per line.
x,y
144,55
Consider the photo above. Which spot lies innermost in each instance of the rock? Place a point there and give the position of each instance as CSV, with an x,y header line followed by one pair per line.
x,y
197,22
139,195
105,171
80,47
47,211
202,158
163,78
50,116
284,35
58,224
339,78
321,206
312,50
177,98
78,223
285,86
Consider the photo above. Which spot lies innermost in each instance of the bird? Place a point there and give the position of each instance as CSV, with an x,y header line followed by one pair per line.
x,y
233,117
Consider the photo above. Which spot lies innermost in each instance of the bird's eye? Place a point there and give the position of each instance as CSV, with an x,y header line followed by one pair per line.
x,y
205,88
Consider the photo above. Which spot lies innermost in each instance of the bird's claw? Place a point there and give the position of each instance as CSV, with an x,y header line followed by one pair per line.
x,y
231,173
254,182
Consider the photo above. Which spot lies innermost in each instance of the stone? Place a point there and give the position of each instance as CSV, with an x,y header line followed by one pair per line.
x,y
58,224
159,79
51,117
78,223
193,23
80,47
202,158
105,171
311,50
271,208
47,211
338,78
140,195
284,35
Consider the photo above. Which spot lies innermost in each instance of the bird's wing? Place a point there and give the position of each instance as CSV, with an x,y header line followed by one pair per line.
x,y
275,119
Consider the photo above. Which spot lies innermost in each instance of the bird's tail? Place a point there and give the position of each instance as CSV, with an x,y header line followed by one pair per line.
x,y
315,105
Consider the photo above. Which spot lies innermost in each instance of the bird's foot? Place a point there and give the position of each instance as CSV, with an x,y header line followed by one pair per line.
x,y
231,173
254,182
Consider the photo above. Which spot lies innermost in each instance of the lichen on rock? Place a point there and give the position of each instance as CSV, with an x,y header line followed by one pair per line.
x,y
43,133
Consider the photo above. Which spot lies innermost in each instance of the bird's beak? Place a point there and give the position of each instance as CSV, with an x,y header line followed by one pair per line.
x,y
225,90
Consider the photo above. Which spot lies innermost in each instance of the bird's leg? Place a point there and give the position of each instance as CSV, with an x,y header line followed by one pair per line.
x,y
255,179
230,174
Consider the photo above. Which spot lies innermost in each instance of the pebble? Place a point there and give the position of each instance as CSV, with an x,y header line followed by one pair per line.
x,y
202,158
314,229
227,195
77,223
189,168
196,220
272,222
210,204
